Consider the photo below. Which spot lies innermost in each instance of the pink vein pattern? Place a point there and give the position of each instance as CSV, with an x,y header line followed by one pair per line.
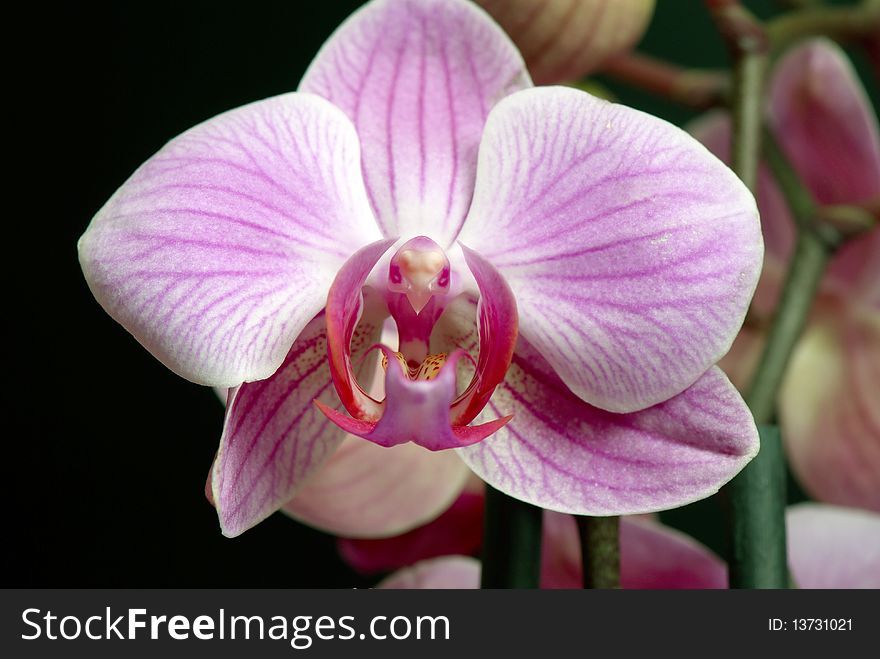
x,y
713,130
219,249
631,251
562,454
418,78
274,437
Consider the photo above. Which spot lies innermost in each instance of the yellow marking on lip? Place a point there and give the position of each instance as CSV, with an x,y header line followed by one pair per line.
x,y
427,370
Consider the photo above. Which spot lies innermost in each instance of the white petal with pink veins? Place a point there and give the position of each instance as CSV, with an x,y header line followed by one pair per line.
x,y
632,251
219,250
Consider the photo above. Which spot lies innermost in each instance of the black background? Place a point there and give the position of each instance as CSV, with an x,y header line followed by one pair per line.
x,y
105,460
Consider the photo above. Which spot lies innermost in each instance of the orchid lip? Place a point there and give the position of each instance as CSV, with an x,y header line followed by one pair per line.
x,y
429,369
423,402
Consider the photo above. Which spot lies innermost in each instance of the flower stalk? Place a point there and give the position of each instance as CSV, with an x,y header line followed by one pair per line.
x,y
757,495
511,542
851,23
758,555
850,220
804,274
600,551
699,89
815,242
749,46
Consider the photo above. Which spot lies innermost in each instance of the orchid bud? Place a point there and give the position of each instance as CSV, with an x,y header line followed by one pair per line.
x,y
566,39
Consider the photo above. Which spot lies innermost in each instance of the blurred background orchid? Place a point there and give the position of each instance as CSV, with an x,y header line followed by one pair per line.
x,y
828,409
829,547
563,40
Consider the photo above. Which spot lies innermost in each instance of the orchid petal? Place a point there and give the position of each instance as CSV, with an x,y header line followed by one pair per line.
x,y
854,270
219,250
831,547
630,279
652,556
458,530
562,454
566,39
560,552
418,78
828,409
445,572
823,120
273,437
713,129
367,491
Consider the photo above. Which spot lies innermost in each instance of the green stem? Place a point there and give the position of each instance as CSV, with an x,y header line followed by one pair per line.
x,y
814,245
850,221
748,78
757,557
600,551
799,4
748,44
757,495
853,23
805,272
757,505
511,542
695,88
799,200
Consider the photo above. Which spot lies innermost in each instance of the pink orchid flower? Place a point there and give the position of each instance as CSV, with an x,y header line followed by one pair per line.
x,y
565,39
828,404
829,547
600,260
